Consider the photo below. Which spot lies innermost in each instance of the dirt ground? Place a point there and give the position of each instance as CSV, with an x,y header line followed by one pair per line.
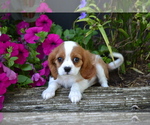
x,y
131,78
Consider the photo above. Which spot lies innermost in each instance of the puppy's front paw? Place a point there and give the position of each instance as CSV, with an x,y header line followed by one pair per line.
x,y
104,85
48,94
75,96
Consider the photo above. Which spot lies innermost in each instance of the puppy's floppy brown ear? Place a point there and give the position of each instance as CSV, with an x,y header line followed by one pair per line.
x,y
52,64
87,70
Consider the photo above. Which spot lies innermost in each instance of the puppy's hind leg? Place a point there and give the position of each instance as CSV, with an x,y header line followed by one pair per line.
x,y
101,76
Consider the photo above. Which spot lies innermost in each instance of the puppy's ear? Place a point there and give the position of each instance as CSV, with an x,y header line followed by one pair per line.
x,y
87,70
52,64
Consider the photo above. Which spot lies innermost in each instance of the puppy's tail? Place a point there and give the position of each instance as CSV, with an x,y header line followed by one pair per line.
x,y
116,63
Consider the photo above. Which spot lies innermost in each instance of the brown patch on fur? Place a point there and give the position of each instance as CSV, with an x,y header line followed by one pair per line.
x,y
52,59
86,63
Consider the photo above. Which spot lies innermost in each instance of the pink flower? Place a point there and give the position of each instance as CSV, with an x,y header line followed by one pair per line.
x,y
22,54
45,22
2,48
1,106
45,71
4,38
4,83
43,8
20,26
38,80
5,46
6,16
30,35
52,41
14,48
6,4
40,51
12,76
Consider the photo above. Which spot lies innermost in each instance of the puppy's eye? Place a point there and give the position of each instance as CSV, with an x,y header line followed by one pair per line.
x,y
60,59
76,59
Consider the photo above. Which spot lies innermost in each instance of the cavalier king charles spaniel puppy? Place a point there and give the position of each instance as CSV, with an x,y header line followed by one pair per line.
x,y
74,67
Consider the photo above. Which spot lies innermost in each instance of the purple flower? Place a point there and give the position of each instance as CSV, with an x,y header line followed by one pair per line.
x,y
43,8
6,4
4,83
40,51
12,76
2,48
22,26
82,4
38,80
1,106
8,44
14,48
4,38
45,22
22,54
83,15
45,71
18,50
30,35
52,41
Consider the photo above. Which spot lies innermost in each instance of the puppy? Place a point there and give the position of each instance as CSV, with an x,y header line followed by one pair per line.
x,y
74,67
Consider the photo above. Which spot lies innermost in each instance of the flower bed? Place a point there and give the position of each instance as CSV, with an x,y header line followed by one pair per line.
x,y
23,61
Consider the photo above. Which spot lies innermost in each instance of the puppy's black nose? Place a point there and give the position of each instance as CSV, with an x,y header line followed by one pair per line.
x,y
67,69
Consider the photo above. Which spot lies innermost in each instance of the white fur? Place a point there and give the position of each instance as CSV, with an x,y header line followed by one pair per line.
x,y
116,63
69,80
69,45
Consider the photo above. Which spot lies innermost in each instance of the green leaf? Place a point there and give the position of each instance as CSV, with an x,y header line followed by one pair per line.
x,y
101,29
24,79
124,32
42,36
11,61
9,49
59,32
3,30
68,35
97,9
13,58
86,9
26,67
103,48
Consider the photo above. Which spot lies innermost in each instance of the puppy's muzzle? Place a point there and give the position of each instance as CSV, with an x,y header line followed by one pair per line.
x,y
67,69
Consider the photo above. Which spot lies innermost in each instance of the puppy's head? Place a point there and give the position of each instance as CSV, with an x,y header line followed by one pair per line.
x,y
71,59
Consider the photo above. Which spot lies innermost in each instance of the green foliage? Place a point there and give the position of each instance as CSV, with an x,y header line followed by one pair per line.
x,y
148,67
24,80
42,36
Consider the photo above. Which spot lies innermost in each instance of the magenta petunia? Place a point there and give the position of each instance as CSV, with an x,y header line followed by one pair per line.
x,y
1,106
43,8
12,76
45,71
38,80
22,26
7,45
4,38
14,48
4,83
23,53
52,41
2,48
30,35
45,22
6,4
40,51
